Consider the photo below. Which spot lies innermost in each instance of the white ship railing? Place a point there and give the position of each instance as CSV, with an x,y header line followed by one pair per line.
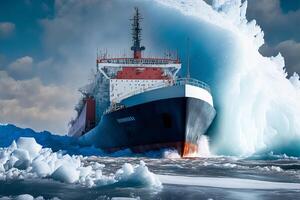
x,y
139,61
194,82
180,81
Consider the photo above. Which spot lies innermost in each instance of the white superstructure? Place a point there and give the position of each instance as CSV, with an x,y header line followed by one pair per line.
x,y
128,76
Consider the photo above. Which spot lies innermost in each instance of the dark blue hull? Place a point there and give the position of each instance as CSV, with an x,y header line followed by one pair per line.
x,y
168,123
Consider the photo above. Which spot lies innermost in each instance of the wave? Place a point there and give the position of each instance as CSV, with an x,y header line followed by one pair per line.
x,y
258,108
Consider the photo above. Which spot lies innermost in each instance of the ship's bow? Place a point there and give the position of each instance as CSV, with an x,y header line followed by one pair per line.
x,y
199,116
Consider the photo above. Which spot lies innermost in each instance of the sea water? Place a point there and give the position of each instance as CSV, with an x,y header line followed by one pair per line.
x,y
197,178
30,171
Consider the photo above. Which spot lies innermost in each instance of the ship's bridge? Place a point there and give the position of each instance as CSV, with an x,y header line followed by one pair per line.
x,y
155,61
110,66
126,75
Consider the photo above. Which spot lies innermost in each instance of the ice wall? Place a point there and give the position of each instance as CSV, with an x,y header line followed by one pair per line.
x,y
258,106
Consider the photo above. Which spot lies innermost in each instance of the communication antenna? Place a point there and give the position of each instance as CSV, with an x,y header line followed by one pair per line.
x,y
97,54
188,59
136,35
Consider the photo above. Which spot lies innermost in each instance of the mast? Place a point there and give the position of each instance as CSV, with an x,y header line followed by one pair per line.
x,y
188,59
136,35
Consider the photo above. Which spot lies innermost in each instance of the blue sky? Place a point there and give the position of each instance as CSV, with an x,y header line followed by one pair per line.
x,y
48,48
26,36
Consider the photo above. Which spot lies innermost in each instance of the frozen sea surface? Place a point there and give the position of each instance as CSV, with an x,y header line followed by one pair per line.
x,y
200,178
37,169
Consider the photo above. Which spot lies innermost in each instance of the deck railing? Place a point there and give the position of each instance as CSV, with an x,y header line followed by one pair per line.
x,y
151,61
179,81
192,81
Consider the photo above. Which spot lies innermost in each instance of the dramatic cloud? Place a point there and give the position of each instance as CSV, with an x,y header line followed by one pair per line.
x,y
6,29
29,103
290,51
277,25
21,68
79,28
281,30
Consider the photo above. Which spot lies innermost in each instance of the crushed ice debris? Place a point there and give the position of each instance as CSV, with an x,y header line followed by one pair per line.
x,y
27,159
269,168
25,197
170,154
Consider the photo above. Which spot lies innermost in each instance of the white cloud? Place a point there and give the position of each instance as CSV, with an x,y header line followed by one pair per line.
x,y
78,28
6,29
30,103
21,68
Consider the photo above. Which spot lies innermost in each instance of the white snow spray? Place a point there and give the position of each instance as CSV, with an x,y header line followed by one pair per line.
x,y
203,147
259,105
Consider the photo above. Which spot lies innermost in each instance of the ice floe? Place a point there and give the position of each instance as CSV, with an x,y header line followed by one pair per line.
x,y
27,159
230,183
26,197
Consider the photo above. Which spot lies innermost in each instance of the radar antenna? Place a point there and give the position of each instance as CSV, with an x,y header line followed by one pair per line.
x,y
136,35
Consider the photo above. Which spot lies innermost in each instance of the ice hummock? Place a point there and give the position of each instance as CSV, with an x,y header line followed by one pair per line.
x,y
25,197
26,159
68,145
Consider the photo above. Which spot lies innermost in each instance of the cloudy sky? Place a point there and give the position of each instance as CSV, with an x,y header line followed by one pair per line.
x,y
48,48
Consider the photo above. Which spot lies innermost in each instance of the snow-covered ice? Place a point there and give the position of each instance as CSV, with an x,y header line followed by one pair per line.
x,y
26,197
27,159
233,183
